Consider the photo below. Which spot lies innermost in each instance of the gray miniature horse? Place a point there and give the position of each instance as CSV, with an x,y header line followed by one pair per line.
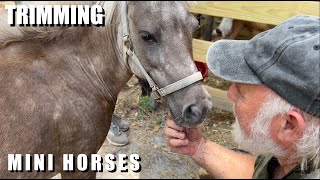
x,y
59,85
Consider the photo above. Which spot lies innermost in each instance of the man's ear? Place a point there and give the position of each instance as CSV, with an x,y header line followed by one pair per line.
x,y
290,127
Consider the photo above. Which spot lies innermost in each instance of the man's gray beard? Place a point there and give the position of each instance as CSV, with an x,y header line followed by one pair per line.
x,y
259,142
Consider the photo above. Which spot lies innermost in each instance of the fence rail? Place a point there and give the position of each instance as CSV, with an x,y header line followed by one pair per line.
x,y
268,12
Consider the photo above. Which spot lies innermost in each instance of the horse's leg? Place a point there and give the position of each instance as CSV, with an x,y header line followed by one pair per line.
x,y
146,91
145,87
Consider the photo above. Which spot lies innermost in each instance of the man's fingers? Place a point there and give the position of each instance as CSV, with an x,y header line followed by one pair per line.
x,y
178,142
170,123
182,150
174,133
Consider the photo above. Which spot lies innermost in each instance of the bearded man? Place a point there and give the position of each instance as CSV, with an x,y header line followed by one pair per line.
x,y
276,96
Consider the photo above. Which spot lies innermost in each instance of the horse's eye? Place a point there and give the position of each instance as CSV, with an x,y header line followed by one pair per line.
x,y
147,37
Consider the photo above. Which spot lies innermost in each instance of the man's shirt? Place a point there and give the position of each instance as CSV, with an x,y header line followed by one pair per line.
x,y
264,168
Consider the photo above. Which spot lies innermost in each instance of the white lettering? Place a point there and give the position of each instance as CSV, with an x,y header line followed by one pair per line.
x,y
44,14
14,162
32,19
97,19
109,158
39,161
74,14
11,16
28,162
22,14
82,162
123,163
55,14
83,14
61,15
135,166
96,162
68,162
50,162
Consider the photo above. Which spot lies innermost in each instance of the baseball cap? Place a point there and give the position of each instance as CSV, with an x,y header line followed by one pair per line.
x,y
284,58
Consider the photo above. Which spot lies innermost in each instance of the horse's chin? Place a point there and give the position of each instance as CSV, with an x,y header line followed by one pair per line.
x,y
177,116
180,121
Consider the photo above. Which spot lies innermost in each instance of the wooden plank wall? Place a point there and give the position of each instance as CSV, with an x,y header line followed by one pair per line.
x,y
3,3
268,12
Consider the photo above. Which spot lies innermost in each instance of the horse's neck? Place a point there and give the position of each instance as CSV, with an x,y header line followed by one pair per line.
x,y
104,66
97,51
100,57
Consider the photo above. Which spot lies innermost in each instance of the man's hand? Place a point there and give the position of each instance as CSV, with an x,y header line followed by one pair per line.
x,y
218,161
183,140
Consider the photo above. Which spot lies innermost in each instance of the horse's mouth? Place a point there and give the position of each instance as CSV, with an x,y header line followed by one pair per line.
x,y
185,123
190,115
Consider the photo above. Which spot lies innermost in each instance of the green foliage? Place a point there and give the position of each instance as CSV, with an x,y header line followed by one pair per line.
x,y
141,115
158,120
146,103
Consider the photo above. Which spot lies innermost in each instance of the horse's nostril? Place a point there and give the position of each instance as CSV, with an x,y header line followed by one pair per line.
x,y
192,115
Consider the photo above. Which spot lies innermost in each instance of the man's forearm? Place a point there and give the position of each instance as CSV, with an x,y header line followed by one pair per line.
x,y
223,163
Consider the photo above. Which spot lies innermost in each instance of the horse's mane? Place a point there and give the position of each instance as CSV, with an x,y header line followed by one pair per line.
x,y
10,34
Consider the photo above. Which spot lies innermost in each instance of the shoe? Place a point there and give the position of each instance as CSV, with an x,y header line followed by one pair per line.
x,y
121,123
116,136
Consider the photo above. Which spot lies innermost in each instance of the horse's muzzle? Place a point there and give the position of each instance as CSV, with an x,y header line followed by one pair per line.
x,y
194,114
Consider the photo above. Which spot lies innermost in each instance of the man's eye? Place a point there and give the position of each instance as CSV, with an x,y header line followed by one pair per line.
x,y
147,37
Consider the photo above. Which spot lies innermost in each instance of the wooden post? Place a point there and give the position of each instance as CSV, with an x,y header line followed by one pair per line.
x,y
2,6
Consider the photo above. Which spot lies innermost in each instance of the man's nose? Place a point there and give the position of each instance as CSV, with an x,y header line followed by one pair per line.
x,y
232,93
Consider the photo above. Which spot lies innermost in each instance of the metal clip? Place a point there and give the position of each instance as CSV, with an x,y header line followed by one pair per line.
x,y
127,42
127,48
155,94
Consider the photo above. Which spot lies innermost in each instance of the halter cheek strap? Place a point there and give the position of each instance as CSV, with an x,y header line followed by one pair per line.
x,y
157,92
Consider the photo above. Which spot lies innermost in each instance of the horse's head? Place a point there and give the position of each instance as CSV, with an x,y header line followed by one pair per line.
x,y
161,37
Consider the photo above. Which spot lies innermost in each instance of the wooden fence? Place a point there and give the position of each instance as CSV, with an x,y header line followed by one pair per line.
x,y
268,12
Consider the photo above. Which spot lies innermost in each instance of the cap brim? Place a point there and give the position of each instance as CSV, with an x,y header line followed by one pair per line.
x,y
226,60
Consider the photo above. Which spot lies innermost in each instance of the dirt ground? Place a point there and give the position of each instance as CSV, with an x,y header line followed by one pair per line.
x,y
148,141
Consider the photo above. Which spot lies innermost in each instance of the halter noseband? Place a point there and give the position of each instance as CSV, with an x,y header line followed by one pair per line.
x,y
157,92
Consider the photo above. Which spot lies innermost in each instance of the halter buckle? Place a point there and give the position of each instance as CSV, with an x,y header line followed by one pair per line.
x,y
127,42
155,93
